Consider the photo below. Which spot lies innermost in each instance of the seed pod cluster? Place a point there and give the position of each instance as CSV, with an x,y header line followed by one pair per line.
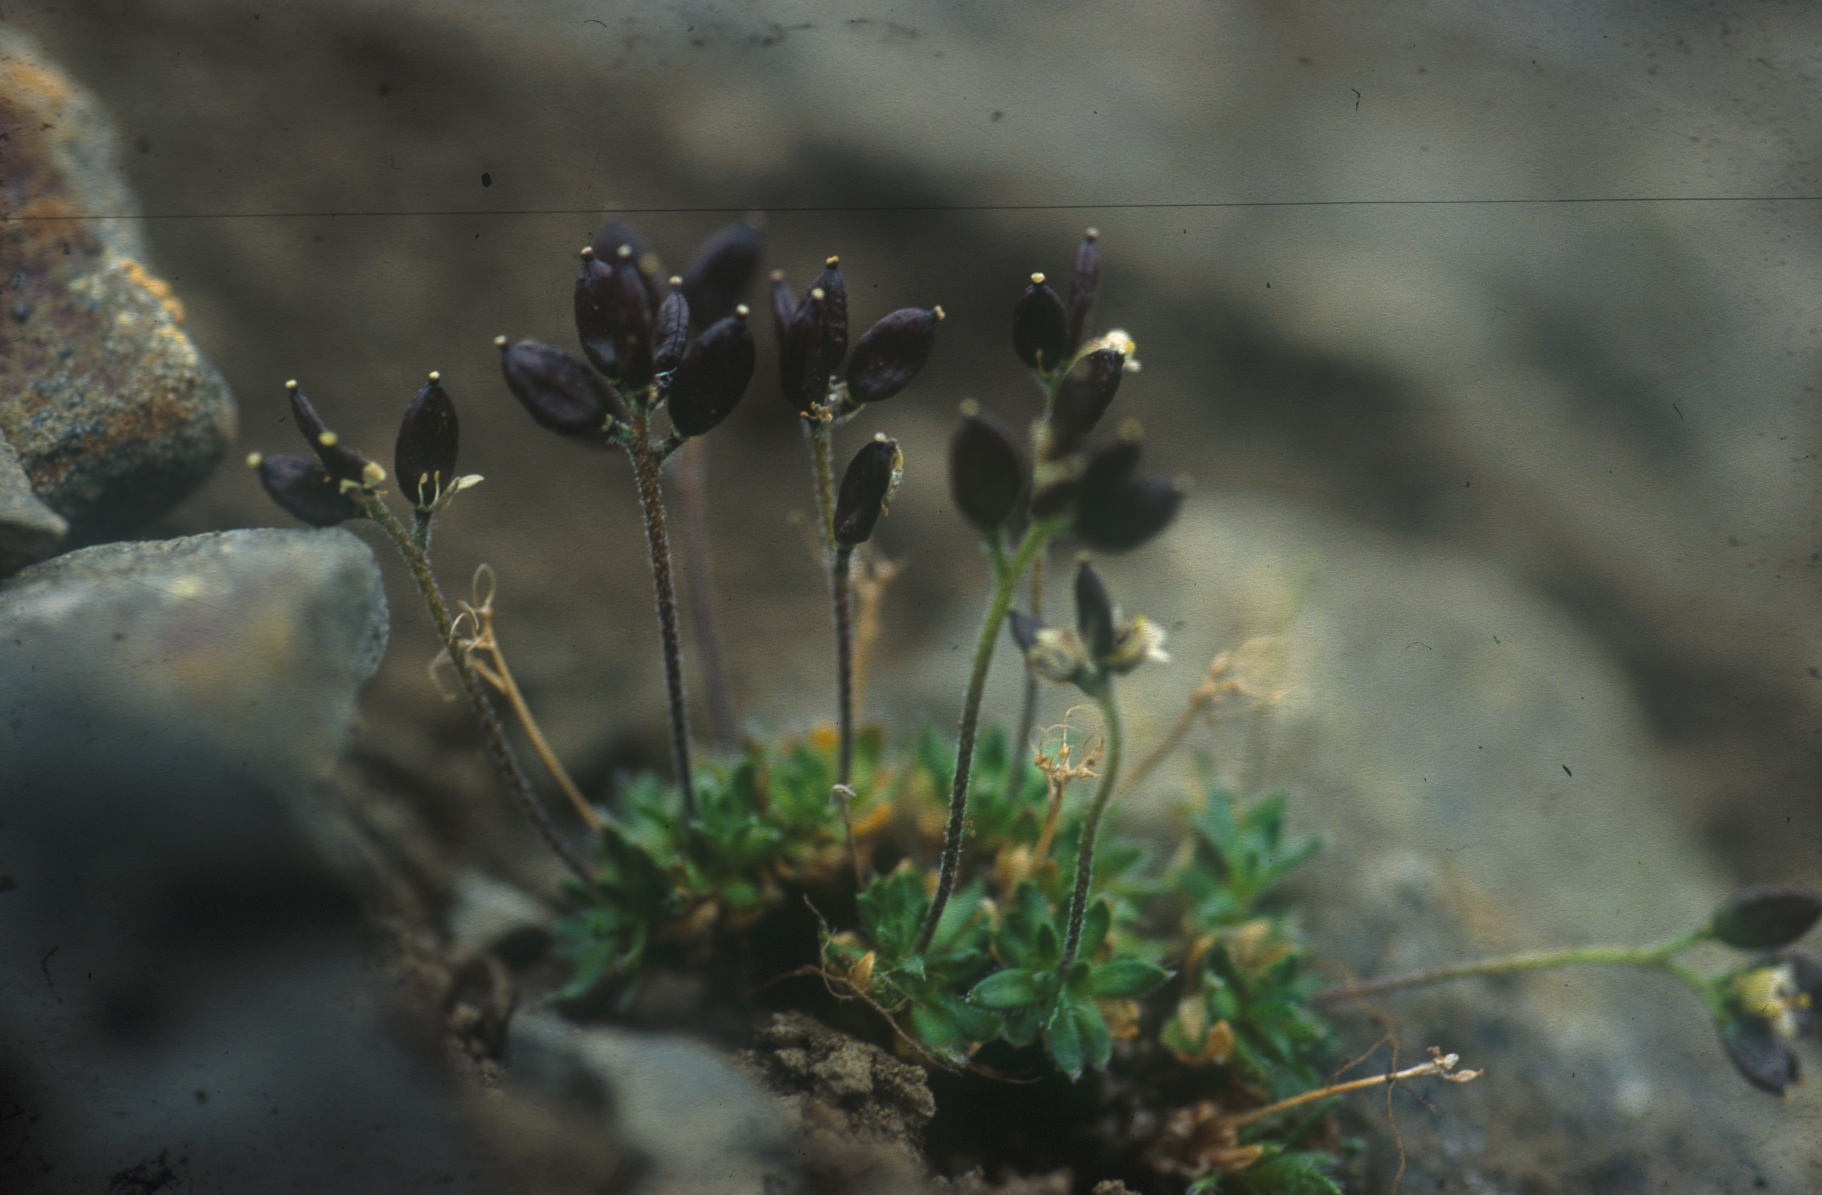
x,y
813,340
635,335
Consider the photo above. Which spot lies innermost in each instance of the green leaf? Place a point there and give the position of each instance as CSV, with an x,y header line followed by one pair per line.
x,y
1063,1038
1006,989
1097,1044
1125,975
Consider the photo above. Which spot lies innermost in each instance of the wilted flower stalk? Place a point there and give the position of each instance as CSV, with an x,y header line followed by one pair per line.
x,y
342,484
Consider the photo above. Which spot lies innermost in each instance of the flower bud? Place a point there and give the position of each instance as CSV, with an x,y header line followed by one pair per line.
x,y
305,490
561,391
1040,327
721,271
712,376
670,330
866,488
891,352
1052,653
986,471
1082,284
1082,399
424,457
1767,916
341,462
1093,612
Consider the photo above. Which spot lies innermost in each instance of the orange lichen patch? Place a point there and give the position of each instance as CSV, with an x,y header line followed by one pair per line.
x,y
30,81
158,288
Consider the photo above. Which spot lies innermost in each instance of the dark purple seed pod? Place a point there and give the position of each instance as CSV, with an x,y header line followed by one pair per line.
x,y
561,391
343,463
719,274
597,303
834,316
1125,514
305,490
1082,399
630,310
615,236
800,371
670,329
1040,327
1082,285
986,469
1759,1053
713,375
891,352
1093,612
866,489
424,457
1767,916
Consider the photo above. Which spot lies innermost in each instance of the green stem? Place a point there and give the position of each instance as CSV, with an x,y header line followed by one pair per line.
x,y
839,584
1036,536
651,499
493,734
1103,793
1028,704
1653,958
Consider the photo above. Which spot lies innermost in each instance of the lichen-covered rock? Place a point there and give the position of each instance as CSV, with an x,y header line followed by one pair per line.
x,y
112,412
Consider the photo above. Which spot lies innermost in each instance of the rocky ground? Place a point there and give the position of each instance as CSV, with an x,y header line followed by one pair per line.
x,y
1528,492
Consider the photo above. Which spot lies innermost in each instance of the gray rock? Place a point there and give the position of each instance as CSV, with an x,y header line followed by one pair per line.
x,y
1485,785
186,1006
255,641
692,1120
112,412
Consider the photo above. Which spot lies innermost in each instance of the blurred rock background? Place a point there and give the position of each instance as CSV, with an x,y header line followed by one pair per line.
x,y
1495,322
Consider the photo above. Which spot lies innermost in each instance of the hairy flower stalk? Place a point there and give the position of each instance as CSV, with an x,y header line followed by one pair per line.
x,y
1103,793
651,501
1036,536
842,591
